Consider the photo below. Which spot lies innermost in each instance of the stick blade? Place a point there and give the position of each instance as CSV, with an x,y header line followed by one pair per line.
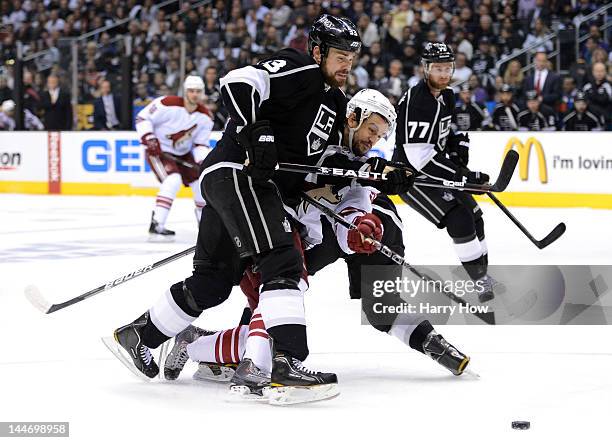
x,y
557,232
34,296
506,172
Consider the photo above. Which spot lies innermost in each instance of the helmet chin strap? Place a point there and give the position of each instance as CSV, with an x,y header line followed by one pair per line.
x,y
352,131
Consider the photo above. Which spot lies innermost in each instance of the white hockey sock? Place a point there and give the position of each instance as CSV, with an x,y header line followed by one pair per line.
x,y
168,317
222,347
258,344
468,250
404,325
165,197
282,307
197,199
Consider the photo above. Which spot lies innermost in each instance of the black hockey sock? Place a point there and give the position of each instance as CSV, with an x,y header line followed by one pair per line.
x,y
290,339
151,336
418,336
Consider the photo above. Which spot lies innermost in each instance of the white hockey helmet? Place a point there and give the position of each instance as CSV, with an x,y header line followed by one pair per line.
x,y
193,82
8,105
364,103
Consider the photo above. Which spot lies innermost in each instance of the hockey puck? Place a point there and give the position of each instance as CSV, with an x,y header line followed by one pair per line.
x,y
520,425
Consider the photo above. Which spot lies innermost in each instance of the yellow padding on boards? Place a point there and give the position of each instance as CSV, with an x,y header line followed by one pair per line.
x,y
528,199
546,200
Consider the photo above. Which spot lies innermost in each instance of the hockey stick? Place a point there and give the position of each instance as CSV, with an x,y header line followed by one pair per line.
x,y
550,238
180,160
488,317
33,294
503,179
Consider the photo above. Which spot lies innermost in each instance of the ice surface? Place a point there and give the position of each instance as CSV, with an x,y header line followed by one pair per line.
x,y
55,368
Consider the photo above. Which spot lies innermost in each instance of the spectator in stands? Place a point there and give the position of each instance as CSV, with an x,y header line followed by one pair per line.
x,y
480,94
483,65
505,114
368,31
581,118
107,108
537,116
6,93
537,38
599,91
56,105
544,82
142,97
568,93
463,44
462,71
514,76
31,98
410,58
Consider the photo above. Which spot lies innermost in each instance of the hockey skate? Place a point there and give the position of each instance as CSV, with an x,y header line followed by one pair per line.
x,y
178,356
249,382
158,233
219,372
444,353
487,286
293,383
128,348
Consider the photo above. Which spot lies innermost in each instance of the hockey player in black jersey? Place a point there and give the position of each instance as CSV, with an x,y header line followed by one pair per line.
x,y
505,114
537,116
284,109
470,115
582,118
424,140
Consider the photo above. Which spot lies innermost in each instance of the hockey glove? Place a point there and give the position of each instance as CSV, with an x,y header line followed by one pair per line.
x,y
368,225
472,177
458,148
153,148
258,140
399,180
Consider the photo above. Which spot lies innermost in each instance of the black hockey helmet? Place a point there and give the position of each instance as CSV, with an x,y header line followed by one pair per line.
x,y
436,52
531,94
580,96
333,32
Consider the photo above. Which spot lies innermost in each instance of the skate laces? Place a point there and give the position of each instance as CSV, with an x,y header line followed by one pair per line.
x,y
300,366
146,355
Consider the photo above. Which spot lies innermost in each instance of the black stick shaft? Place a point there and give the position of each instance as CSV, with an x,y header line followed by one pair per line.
x,y
118,281
397,258
550,238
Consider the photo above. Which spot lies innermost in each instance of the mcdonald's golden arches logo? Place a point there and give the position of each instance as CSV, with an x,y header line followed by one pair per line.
x,y
524,151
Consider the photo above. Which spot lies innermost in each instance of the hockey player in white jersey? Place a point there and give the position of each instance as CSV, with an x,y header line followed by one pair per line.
x,y
370,116
175,132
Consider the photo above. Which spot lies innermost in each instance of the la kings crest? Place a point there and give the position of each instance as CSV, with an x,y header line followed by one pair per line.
x,y
320,130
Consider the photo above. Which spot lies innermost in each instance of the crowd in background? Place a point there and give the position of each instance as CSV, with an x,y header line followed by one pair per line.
x,y
224,35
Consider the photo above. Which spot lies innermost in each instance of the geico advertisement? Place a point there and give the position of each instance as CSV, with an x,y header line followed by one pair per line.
x,y
110,157
23,156
568,162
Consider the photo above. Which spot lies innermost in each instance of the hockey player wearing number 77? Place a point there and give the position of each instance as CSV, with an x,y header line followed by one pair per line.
x,y
424,140
168,127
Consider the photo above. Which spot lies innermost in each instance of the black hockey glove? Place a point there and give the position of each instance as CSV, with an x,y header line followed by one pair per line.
x,y
458,147
399,180
472,177
258,140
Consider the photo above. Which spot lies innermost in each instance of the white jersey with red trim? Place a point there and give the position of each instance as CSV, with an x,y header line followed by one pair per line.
x,y
177,130
349,201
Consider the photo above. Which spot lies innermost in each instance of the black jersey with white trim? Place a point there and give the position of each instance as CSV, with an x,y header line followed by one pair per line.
x,y
289,90
423,125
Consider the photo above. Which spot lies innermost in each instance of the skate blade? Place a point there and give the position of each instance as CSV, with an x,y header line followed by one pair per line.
x,y
241,393
158,238
121,355
204,373
471,374
291,395
163,354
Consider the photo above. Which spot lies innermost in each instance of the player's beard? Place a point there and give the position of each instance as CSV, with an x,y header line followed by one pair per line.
x,y
332,80
438,86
